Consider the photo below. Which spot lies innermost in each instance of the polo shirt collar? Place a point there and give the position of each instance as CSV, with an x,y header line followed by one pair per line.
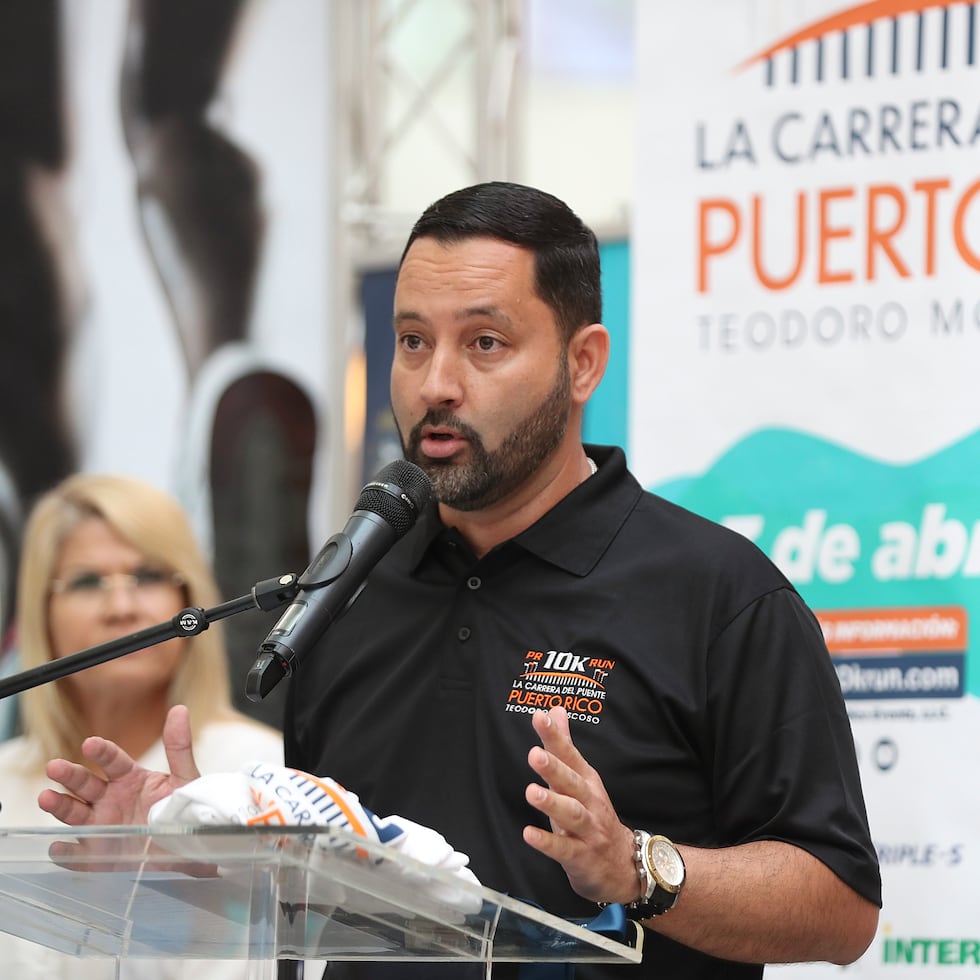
x,y
575,533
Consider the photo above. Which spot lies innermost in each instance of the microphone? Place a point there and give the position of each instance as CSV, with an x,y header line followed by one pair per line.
x,y
387,507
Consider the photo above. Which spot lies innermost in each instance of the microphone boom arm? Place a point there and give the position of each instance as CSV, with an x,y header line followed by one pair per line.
x,y
266,595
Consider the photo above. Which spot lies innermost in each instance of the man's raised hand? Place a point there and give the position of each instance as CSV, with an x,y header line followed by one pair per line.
x,y
126,791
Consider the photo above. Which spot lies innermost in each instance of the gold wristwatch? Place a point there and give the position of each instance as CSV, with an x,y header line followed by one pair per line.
x,y
661,870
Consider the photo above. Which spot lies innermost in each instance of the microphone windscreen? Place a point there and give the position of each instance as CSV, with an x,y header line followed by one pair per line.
x,y
398,493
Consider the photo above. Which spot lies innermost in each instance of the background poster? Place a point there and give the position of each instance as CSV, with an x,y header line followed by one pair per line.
x,y
804,348
164,172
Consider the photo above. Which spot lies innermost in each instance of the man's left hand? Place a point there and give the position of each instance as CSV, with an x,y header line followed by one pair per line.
x,y
587,837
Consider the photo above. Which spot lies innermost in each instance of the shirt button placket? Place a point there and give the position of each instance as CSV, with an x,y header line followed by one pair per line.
x,y
464,632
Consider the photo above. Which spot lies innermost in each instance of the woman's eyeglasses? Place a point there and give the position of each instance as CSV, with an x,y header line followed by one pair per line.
x,y
143,581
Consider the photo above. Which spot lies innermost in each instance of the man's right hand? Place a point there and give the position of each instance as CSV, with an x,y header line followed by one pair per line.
x,y
126,792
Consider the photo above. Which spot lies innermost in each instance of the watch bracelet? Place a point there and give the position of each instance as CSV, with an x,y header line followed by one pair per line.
x,y
647,883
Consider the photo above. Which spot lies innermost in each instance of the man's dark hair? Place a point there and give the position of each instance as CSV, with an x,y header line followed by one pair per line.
x,y
566,254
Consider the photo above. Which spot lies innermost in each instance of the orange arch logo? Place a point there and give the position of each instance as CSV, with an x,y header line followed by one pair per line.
x,y
874,16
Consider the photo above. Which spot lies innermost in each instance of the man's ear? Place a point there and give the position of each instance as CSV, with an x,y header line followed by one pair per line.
x,y
588,354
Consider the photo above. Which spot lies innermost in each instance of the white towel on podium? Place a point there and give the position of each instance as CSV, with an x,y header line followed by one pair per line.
x,y
263,795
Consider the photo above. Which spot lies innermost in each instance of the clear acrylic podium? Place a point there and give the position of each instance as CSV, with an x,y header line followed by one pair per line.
x,y
266,894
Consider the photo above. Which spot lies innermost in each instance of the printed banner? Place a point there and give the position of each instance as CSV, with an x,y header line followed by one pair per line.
x,y
805,341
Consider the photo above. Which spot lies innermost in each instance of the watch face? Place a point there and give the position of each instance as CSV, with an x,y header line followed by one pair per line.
x,y
667,861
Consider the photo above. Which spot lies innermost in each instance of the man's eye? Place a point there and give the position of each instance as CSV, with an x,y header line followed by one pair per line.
x,y
411,341
487,343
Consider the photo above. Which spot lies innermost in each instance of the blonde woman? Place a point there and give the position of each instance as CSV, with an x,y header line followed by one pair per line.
x,y
104,556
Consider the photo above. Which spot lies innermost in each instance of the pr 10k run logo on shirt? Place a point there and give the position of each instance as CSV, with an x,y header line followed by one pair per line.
x,y
561,678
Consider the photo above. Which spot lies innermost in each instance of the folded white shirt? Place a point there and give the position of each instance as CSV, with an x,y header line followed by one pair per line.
x,y
260,795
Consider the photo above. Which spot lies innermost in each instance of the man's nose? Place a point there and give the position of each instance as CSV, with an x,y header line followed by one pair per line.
x,y
443,380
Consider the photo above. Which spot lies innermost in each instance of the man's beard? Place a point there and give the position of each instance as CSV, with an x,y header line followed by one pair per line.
x,y
488,477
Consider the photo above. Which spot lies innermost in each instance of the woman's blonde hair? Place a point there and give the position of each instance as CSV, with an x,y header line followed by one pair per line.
x,y
156,525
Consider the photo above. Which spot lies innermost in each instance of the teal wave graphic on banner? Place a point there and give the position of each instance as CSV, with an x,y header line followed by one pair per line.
x,y
898,545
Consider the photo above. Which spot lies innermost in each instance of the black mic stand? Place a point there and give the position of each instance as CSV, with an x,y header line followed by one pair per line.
x,y
266,595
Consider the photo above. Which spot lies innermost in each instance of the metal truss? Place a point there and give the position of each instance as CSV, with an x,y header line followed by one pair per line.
x,y
430,94
428,97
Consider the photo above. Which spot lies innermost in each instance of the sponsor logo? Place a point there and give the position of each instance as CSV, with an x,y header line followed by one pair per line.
x,y
926,854
931,951
883,754
881,37
561,679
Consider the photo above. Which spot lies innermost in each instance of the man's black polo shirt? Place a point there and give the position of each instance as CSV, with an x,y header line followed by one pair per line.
x,y
697,682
